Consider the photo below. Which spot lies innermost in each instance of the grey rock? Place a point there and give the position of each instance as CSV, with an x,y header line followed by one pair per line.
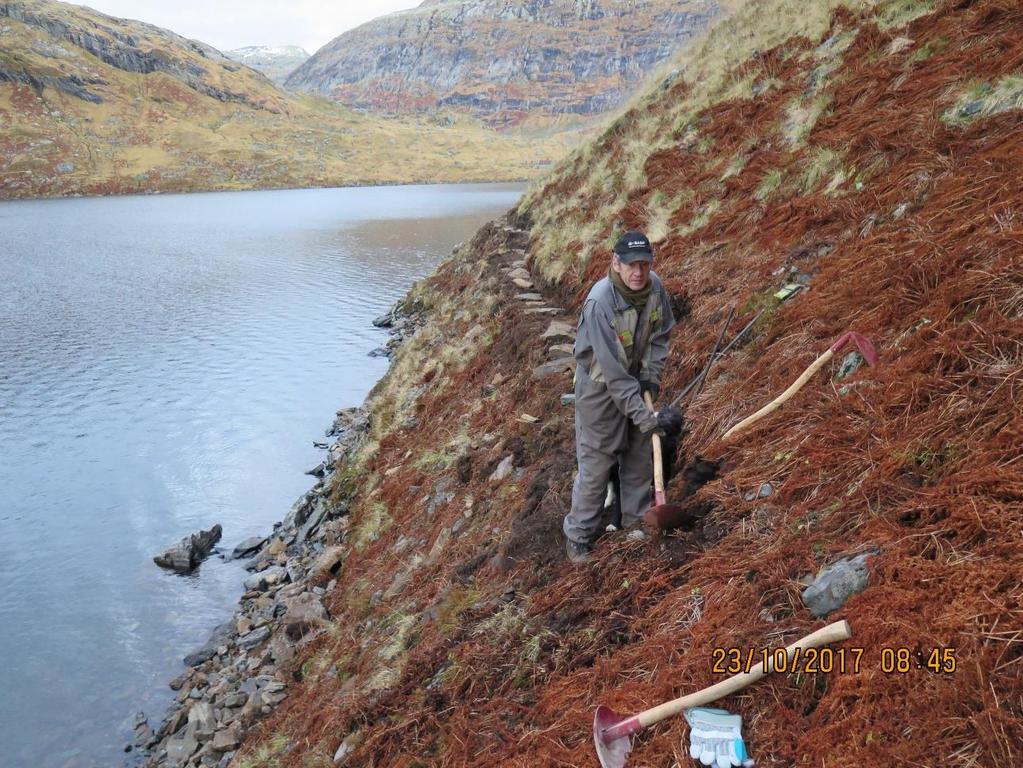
x,y
319,470
385,321
201,715
568,399
190,551
178,682
561,350
303,614
174,723
265,578
248,547
441,496
529,297
181,747
313,521
65,167
504,469
762,492
199,657
346,748
837,583
554,367
558,331
236,699
143,734
227,739
253,638
850,364
971,108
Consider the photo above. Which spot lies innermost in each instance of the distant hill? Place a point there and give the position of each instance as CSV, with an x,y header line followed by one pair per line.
x,y
274,61
92,104
503,60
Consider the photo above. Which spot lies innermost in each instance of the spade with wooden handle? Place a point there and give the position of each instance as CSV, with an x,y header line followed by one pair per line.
x,y
862,344
661,510
612,733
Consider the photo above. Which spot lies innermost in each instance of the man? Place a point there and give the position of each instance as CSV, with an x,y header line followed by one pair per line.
x,y
620,348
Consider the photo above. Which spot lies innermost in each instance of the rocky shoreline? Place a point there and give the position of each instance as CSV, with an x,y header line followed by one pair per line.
x,y
243,671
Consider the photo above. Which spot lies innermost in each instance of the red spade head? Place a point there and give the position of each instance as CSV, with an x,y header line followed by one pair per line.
x,y
863,346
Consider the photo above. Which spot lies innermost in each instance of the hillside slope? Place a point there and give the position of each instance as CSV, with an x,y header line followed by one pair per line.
x,y
502,61
91,104
874,157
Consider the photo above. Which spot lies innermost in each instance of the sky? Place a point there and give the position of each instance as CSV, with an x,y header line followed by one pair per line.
x,y
228,24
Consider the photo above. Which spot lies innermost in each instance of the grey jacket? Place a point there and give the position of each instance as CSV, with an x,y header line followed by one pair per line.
x,y
606,393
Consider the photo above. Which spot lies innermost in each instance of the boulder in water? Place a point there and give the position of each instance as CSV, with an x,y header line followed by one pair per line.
x,y
184,556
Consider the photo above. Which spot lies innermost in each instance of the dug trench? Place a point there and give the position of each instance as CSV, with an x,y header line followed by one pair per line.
x,y
457,633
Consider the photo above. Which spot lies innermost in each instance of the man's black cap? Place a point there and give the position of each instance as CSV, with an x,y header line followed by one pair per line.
x,y
633,246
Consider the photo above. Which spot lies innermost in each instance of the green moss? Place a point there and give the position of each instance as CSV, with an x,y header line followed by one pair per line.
x,y
900,12
391,654
434,461
372,523
704,145
268,754
700,220
929,461
822,164
456,602
734,167
769,184
983,99
801,116
928,49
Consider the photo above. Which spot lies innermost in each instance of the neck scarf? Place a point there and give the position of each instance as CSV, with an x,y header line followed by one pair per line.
x,y
638,298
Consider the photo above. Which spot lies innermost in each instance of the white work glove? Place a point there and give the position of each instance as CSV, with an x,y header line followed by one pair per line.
x,y
715,738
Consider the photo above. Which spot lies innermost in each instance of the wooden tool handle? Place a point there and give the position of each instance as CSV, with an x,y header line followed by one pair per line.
x,y
658,464
775,404
832,633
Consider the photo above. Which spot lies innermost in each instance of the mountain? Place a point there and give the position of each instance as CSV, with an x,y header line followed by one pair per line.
x,y
274,61
868,151
502,60
92,104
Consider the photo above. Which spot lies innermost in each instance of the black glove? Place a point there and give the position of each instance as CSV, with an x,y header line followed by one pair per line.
x,y
669,421
649,386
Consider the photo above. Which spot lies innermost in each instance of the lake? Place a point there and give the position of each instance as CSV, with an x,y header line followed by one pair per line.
x,y
165,364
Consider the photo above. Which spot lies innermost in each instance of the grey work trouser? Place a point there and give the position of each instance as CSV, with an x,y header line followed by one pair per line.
x,y
636,470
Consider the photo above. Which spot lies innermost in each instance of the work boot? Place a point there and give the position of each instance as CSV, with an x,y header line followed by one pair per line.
x,y
577,551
